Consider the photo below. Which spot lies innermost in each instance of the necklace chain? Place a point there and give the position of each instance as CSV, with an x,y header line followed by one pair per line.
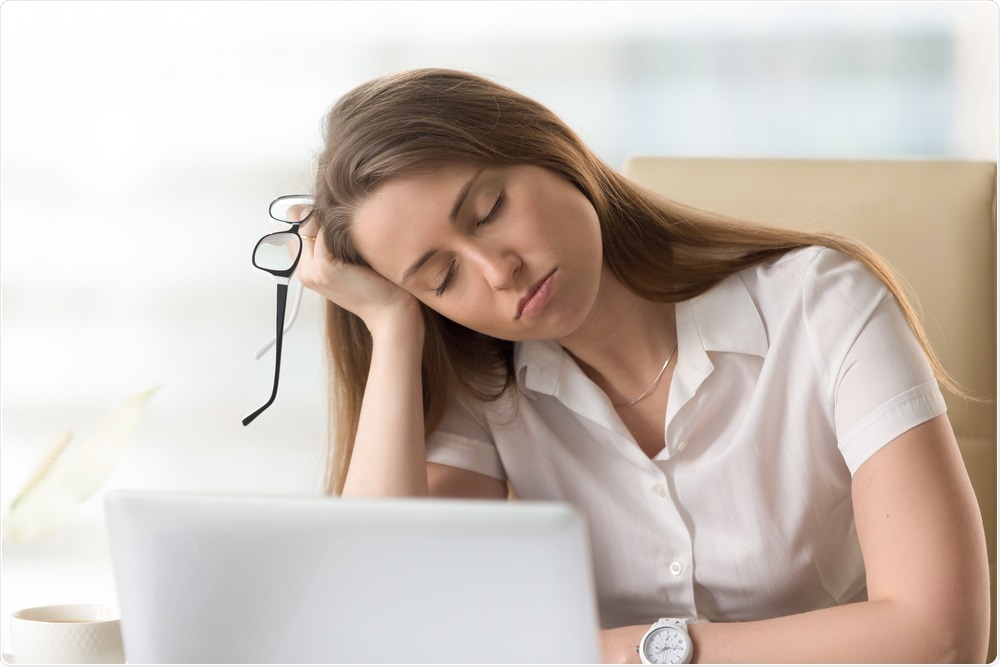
x,y
651,387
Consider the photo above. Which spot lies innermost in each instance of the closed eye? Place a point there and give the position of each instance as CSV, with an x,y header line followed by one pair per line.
x,y
489,217
447,279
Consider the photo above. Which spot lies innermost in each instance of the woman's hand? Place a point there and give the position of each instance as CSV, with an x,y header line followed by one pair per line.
x,y
357,289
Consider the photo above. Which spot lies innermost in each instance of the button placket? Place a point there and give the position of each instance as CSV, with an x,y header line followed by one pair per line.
x,y
673,554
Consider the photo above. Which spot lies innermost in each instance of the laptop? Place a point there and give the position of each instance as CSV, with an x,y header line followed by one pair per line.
x,y
273,579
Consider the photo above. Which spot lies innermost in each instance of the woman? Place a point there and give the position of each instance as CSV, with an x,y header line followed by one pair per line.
x,y
749,418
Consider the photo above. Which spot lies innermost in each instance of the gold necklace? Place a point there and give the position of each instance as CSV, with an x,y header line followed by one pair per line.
x,y
651,387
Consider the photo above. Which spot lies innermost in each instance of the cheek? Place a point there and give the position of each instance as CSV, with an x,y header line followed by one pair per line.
x,y
584,248
584,240
470,313
451,306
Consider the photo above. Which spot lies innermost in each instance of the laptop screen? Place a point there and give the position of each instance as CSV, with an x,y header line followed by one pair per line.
x,y
265,579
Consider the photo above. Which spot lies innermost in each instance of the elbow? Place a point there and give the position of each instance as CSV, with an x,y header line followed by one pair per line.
x,y
942,625
960,636
958,648
971,637
970,644
955,616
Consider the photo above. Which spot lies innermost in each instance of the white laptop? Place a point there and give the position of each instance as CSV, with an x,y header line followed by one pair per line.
x,y
265,579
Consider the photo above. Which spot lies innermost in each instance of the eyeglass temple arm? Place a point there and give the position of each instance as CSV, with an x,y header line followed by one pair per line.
x,y
260,351
282,298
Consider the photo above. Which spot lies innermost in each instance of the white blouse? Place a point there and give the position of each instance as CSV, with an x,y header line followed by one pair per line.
x,y
789,376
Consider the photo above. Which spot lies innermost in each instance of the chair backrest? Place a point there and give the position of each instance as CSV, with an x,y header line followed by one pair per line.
x,y
934,221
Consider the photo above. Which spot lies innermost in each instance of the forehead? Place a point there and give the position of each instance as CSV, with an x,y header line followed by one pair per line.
x,y
413,192
403,216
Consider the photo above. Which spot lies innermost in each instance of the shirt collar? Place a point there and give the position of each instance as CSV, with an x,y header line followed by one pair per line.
x,y
723,319
727,319
538,364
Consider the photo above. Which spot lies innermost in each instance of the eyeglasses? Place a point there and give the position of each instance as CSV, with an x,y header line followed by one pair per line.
x,y
278,254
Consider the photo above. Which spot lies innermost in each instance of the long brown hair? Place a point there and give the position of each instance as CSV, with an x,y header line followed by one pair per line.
x,y
418,120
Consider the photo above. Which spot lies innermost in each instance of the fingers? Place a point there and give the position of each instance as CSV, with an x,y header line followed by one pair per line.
x,y
355,288
318,269
319,249
309,271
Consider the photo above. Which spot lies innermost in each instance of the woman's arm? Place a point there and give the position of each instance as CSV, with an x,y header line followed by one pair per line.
x,y
389,457
389,448
924,549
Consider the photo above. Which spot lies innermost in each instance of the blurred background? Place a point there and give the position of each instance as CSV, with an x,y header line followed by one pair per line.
x,y
140,144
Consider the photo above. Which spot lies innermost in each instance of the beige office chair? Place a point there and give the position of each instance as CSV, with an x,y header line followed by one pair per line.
x,y
935,223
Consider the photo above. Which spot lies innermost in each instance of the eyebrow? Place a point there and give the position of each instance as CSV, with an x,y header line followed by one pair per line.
x,y
453,215
462,194
417,264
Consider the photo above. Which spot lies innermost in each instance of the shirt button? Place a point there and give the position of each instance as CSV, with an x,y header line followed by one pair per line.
x,y
660,490
676,568
681,445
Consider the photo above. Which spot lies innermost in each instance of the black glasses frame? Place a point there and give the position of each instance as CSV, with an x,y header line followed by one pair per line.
x,y
283,276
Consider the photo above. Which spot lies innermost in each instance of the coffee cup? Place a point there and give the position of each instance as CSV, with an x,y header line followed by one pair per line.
x,y
67,633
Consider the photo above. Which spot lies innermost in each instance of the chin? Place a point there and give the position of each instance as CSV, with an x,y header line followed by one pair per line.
x,y
554,326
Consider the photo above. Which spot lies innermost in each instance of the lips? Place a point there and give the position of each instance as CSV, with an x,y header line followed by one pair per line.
x,y
536,296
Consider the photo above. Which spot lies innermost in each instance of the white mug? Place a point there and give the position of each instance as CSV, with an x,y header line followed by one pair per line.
x,y
67,633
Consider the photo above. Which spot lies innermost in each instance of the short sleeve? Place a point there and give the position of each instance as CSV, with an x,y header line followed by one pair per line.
x,y
462,442
869,359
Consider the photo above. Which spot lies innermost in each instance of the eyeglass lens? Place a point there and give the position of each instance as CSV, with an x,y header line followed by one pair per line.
x,y
292,208
277,252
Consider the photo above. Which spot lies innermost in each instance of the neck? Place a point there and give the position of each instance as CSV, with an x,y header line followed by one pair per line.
x,y
624,341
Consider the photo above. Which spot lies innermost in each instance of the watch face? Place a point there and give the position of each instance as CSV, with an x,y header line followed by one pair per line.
x,y
667,646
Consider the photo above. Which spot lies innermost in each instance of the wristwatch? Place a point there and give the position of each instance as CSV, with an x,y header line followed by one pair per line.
x,y
667,642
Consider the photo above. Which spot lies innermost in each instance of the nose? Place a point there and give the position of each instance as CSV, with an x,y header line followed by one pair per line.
x,y
500,268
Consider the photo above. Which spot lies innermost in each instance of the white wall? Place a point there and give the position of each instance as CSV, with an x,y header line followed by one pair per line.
x,y
140,143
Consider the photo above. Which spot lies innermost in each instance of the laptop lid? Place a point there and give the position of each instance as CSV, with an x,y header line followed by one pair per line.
x,y
263,579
